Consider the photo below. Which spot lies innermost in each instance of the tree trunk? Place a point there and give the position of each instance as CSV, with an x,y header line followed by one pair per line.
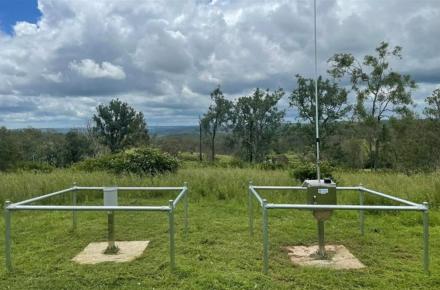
x,y
376,154
377,144
200,142
213,147
214,132
251,146
370,148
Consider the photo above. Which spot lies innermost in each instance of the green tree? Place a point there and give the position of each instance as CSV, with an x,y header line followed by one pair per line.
x,y
216,118
380,91
332,103
256,120
414,145
52,151
119,126
432,110
41,146
9,152
78,146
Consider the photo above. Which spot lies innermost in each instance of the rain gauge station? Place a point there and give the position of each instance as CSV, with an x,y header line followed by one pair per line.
x,y
110,251
321,192
321,199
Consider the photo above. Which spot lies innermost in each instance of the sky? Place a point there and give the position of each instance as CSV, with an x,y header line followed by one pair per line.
x,y
59,59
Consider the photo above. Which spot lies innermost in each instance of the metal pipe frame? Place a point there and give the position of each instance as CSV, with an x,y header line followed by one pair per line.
x,y
409,206
132,188
344,207
14,207
74,208
74,213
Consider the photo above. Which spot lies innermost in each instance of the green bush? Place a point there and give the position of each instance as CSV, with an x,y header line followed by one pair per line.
x,y
142,161
307,170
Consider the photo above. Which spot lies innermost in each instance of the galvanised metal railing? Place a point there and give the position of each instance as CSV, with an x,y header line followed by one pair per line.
x,y
409,206
25,206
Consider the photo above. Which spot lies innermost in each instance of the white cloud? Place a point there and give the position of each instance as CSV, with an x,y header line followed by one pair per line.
x,y
25,28
54,77
164,57
90,69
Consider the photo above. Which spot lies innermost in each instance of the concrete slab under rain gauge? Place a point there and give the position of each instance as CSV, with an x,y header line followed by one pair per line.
x,y
339,257
94,252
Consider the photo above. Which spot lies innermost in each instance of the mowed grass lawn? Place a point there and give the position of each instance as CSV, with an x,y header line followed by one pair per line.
x,y
218,253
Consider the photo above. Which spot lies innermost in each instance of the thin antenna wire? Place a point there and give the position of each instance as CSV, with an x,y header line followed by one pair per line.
x,y
318,171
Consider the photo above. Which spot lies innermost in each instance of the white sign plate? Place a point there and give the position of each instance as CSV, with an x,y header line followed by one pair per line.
x,y
110,196
322,190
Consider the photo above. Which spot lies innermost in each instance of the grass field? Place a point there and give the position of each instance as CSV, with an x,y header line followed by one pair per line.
x,y
218,254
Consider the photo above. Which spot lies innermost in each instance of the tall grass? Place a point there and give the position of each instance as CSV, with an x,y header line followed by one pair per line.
x,y
418,187
222,183
218,252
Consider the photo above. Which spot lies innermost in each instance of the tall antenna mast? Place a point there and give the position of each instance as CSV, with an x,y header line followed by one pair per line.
x,y
318,171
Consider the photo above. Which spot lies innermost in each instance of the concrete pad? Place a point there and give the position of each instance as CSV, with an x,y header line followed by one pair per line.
x,y
340,257
94,252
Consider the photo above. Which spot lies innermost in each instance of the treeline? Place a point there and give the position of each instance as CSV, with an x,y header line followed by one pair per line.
x,y
37,149
115,127
407,144
380,130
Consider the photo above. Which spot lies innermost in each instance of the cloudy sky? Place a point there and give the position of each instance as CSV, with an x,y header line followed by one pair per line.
x,y
59,59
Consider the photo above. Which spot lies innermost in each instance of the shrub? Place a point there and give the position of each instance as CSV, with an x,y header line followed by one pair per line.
x,y
307,170
146,160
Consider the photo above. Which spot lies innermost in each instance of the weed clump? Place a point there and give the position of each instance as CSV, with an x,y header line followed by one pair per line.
x,y
142,161
308,171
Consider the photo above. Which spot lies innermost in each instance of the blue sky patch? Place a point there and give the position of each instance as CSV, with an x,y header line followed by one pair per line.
x,y
12,11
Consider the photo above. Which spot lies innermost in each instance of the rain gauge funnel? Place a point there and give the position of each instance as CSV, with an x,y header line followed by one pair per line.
x,y
321,192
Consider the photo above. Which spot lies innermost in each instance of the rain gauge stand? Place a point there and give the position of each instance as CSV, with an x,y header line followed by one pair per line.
x,y
95,252
111,199
321,192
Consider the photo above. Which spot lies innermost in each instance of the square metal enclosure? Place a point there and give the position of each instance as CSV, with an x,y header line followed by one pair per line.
x,y
110,200
325,192
320,191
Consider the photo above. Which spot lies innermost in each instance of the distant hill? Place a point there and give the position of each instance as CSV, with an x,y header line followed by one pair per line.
x,y
153,130
173,130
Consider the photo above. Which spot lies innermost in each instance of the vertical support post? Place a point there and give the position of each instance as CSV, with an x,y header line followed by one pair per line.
x,y
250,211
74,213
200,140
321,240
426,238
265,239
111,231
185,184
361,212
171,232
111,199
8,236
